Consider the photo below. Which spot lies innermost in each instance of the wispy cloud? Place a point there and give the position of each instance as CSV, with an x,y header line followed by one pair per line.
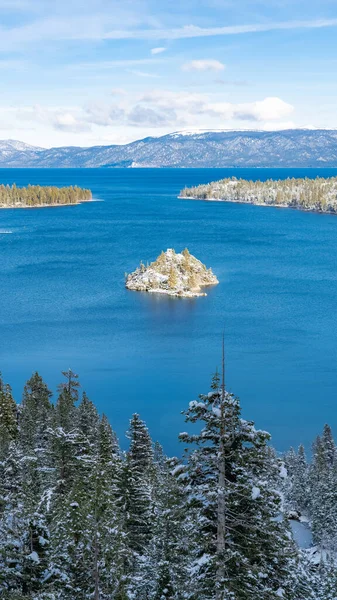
x,y
144,74
203,65
13,64
158,50
193,31
88,28
110,64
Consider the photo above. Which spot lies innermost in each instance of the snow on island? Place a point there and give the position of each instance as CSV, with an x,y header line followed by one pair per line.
x,y
175,274
319,194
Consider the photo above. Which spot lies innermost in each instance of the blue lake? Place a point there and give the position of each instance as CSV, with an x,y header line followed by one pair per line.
x,y
64,304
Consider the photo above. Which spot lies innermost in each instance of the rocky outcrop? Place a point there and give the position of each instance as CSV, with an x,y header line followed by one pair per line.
x,y
175,274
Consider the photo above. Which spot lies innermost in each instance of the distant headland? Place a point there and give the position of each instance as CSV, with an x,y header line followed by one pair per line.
x,y
37,196
318,194
175,274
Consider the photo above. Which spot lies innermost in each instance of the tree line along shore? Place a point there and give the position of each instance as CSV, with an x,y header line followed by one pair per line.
x,y
81,518
37,195
319,194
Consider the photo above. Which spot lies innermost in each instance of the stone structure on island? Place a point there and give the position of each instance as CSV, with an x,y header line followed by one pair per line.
x,y
175,274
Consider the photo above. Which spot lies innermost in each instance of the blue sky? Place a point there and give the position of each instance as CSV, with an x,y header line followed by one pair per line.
x,y
91,72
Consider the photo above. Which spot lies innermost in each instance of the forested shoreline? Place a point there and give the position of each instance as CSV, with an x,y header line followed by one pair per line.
x,y
40,196
80,518
319,194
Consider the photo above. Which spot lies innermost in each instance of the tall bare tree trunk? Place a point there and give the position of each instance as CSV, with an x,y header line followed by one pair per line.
x,y
221,512
96,573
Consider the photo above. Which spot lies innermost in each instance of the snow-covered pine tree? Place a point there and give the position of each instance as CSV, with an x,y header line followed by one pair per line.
x,y
109,542
297,490
88,421
12,523
66,501
162,571
35,420
8,417
71,520
35,415
138,485
229,481
173,530
65,406
323,492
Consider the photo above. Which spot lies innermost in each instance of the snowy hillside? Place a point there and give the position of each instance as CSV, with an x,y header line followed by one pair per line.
x,y
319,194
218,148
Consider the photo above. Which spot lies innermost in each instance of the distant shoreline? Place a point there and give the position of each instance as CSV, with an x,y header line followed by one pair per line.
x,y
264,204
2,206
317,195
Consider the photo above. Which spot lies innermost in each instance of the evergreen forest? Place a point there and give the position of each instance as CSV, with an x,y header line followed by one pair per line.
x,y
319,194
37,195
81,518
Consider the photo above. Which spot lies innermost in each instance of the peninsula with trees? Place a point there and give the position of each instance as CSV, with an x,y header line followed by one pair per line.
x,y
319,194
175,274
37,196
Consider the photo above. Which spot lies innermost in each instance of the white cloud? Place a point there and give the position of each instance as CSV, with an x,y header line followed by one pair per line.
x,y
272,126
147,116
61,119
103,115
203,65
158,50
68,122
158,109
269,109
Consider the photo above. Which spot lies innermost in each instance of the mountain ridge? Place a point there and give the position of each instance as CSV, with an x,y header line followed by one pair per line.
x,y
187,149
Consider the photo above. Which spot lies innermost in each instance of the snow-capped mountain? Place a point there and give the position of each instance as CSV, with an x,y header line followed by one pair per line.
x,y
10,149
217,148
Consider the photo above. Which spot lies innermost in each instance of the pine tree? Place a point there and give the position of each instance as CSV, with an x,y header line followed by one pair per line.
x,y
88,421
323,491
172,279
138,474
228,475
109,544
65,406
35,414
35,420
80,519
8,417
12,524
297,493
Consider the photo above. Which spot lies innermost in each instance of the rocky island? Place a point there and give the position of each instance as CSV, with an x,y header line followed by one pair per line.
x,y
37,196
175,274
319,194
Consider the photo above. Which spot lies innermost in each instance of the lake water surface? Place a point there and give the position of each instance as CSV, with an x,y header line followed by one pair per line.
x,y
63,301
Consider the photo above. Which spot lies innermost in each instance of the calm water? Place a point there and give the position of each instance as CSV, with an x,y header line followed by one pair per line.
x,y
63,301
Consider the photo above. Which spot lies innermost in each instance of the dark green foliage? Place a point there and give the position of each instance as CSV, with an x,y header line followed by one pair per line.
x,y
256,559
138,475
37,195
8,417
80,519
